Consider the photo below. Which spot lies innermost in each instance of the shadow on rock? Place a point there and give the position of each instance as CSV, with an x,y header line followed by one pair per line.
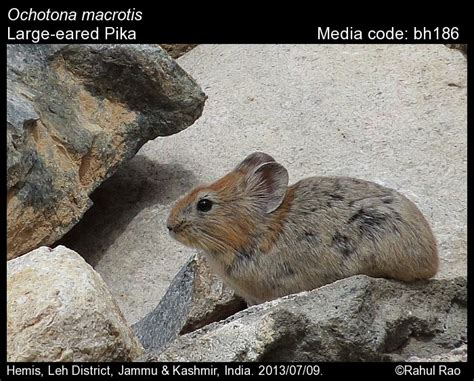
x,y
138,184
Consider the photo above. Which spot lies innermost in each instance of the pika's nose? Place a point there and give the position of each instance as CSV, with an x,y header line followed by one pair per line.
x,y
173,226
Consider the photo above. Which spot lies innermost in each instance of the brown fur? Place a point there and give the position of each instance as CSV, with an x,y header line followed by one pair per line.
x,y
276,224
323,229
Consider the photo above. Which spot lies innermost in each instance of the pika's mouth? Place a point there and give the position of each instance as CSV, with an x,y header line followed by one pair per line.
x,y
177,237
182,238
176,230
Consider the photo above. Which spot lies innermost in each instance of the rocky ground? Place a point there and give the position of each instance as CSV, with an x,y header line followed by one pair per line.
x,y
364,319
391,114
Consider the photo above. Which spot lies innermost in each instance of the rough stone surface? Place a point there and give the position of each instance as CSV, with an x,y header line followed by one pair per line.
x,y
461,47
177,50
394,114
74,114
195,298
59,309
354,319
456,355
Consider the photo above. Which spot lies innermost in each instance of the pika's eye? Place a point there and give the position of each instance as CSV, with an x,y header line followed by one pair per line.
x,y
204,205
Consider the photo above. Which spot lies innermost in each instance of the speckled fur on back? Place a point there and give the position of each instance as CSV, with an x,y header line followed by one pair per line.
x,y
267,240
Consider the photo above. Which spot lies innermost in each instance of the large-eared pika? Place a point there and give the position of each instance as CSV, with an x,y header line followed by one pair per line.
x,y
267,239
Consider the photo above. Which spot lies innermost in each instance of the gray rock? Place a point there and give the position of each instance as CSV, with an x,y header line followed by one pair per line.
x,y
59,309
177,50
195,298
393,114
74,114
455,355
354,319
461,47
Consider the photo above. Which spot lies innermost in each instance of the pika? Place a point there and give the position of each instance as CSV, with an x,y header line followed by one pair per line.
x,y
267,239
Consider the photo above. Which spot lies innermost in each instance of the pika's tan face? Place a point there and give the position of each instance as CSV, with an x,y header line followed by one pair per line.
x,y
212,217
194,208
228,216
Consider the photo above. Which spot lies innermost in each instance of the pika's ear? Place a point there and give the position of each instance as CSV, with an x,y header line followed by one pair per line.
x,y
253,160
268,184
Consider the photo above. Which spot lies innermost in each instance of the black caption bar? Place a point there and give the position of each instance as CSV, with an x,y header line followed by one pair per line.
x,y
314,370
147,25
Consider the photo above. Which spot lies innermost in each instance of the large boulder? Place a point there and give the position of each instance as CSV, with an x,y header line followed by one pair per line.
x,y
354,319
74,114
59,309
195,298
